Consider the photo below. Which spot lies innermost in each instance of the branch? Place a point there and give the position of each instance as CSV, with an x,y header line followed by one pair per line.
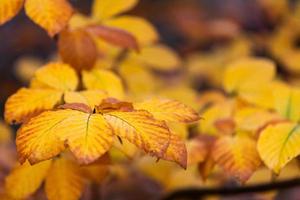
x,y
194,193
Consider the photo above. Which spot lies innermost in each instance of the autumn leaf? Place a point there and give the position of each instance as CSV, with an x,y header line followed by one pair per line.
x,y
168,110
18,185
87,135
50,83
176,151
250,78
114,36
77,48
99,79
87,97
26,103
144,32
278,144
159,57
141,129
52,15
286,101
9,9
103,9
237,156
64,180
57,76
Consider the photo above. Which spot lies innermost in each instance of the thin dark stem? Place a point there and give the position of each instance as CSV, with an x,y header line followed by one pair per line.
x,y
196,193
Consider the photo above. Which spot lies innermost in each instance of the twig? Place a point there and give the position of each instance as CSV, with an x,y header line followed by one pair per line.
x,y
196,193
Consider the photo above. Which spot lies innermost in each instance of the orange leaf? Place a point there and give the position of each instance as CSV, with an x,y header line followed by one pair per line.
x,y
77,48
52,15
237,156
176,151
114,36
9,9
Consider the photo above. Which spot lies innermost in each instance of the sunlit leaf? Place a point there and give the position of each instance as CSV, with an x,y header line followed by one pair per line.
x,y
168,110
237,156
99,79
103,9
158,57
64,180
9,9
88,97
87,135
26,103
141,129
57,76
52,15
278,144
141,29
25,179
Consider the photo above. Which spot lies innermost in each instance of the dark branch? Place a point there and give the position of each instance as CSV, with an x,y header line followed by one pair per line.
x,y
195,193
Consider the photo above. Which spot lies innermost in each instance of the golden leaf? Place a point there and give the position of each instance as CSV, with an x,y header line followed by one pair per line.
x,y
52,15
278,144
88,97
158,57
176,151
26,103
78,49
25,179
237,156
286,101
87,135
9,9
141,29
57,76
100,79
141,129
64,180
103,9
168,110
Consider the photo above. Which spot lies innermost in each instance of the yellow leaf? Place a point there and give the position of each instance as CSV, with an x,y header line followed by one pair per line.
x,y
286,101
88,97
197,151
137,78
26,103
278,144
253,118
77,48
250,78
141,129
247,73
52,15
9,9
25,179
219,111
141,29
158,57
168,110
103,9
237,156
64,180
87,135
100,79
57,76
